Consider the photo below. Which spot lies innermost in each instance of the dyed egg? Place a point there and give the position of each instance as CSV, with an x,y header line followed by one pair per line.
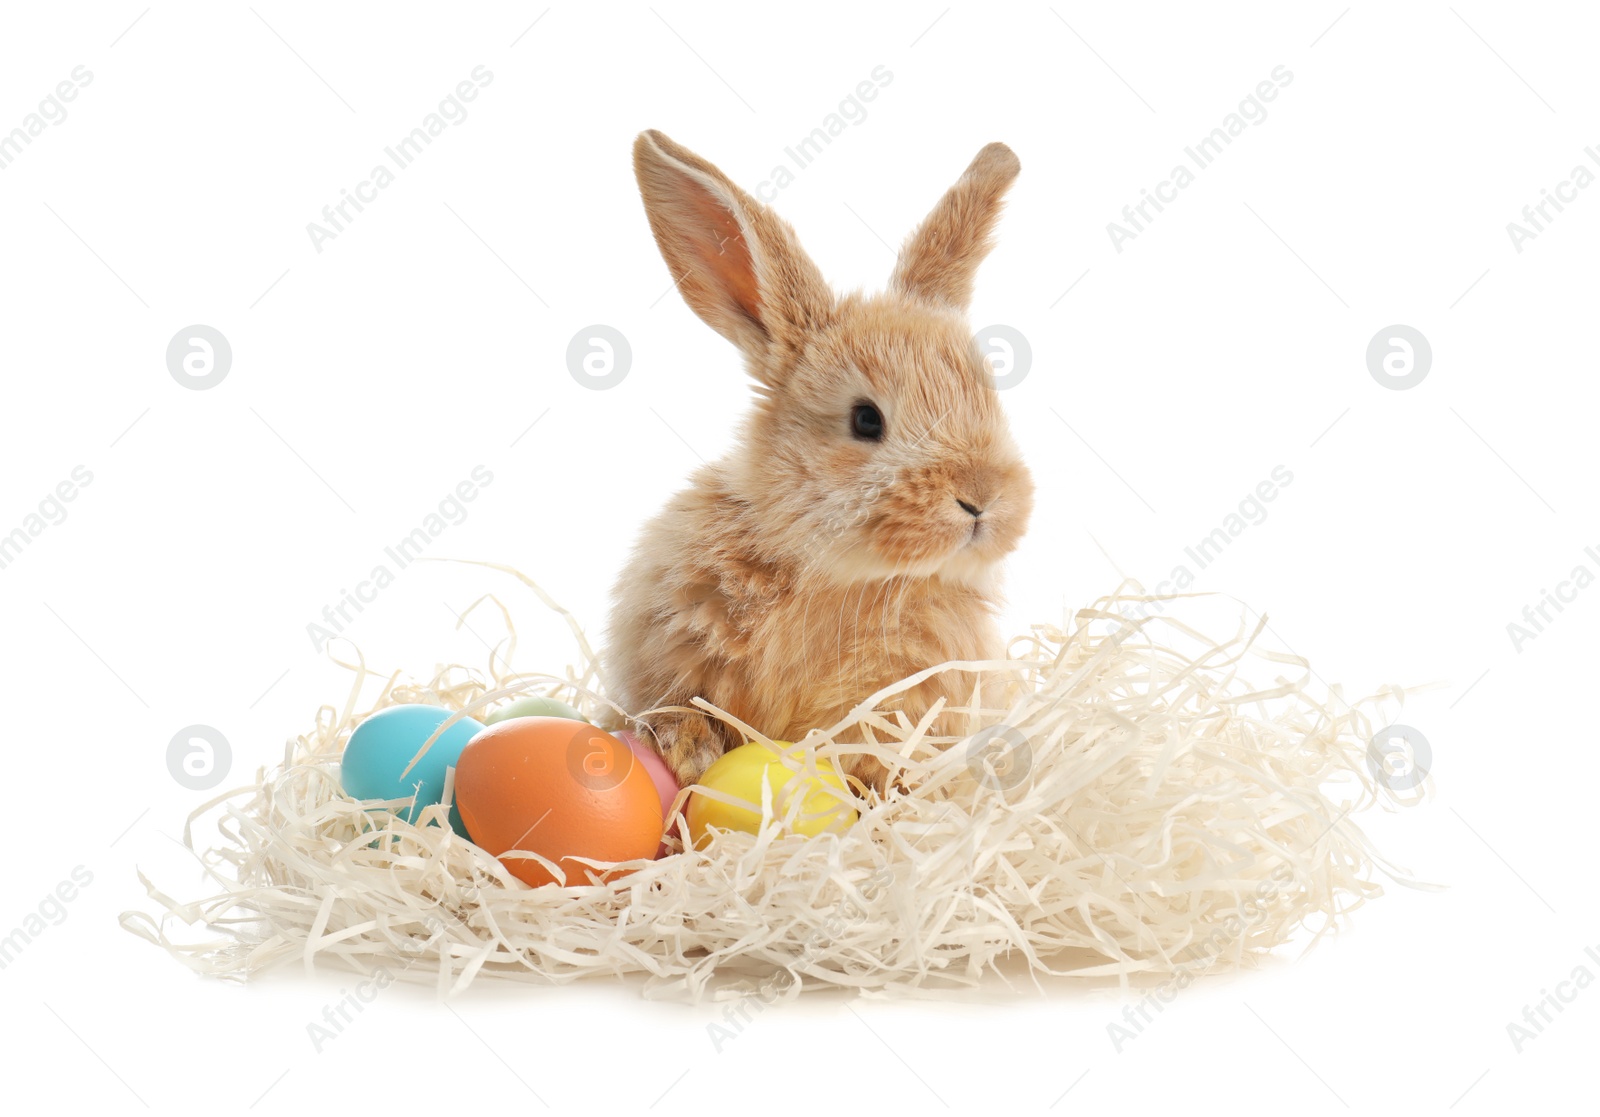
x,y
381,747
741,772
660,775
558,788
532,707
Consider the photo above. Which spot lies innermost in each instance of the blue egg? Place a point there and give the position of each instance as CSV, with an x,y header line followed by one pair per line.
x,y
382,746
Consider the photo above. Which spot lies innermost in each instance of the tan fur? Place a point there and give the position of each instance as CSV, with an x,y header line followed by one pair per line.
x,y
803,572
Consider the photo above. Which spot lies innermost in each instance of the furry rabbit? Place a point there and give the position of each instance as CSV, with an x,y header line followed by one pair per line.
x,y
856,536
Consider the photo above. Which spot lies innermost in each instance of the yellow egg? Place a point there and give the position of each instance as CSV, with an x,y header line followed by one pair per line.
x,y
741,772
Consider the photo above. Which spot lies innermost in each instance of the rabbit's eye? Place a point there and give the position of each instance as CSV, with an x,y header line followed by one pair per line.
x,y
866,422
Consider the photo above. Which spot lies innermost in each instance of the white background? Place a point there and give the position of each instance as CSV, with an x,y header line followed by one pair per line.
x,y
369,379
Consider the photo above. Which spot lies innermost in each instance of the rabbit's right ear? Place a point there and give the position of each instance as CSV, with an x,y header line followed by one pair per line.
x,y
736,263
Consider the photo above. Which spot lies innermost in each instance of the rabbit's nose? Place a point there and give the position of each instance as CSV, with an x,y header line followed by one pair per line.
x,y
972,510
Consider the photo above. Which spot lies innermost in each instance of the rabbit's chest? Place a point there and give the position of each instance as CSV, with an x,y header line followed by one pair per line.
x,y
839,645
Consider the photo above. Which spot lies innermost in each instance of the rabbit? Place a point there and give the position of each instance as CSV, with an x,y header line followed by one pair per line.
x,y
855,537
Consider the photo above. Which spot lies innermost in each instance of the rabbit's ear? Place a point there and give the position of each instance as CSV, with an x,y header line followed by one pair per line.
x,y
734,261
939,259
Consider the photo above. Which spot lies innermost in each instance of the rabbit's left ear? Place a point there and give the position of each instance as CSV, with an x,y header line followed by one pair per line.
x,y
940,259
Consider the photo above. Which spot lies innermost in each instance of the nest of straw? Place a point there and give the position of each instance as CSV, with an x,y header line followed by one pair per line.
x,y
1135,807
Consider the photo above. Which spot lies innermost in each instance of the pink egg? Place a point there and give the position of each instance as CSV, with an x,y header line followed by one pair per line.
x,y
660,775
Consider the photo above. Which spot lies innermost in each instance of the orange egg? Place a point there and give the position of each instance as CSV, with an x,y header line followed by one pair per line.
x,y
558,788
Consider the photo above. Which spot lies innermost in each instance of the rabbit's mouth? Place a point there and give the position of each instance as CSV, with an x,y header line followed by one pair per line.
x,y
986,541
971,557
944,546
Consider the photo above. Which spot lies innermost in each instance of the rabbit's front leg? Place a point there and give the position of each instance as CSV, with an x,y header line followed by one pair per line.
x,y
689,741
